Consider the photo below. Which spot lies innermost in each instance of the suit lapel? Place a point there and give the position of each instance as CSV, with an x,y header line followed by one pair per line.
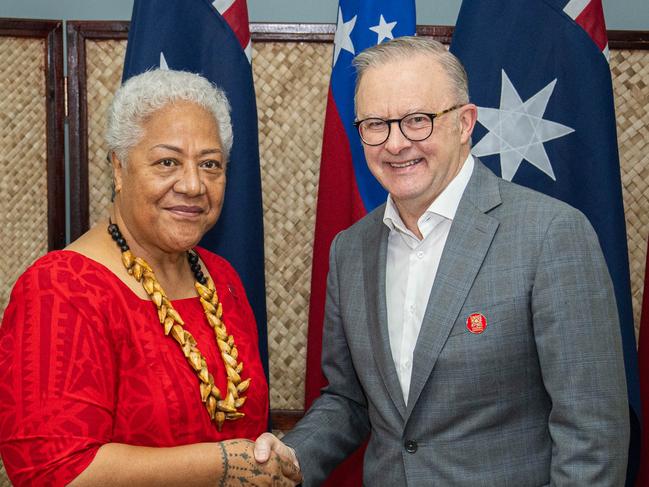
x,y
467,244
374,261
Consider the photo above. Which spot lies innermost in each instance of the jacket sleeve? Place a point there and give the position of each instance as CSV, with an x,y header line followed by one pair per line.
x,y
577,335
337,423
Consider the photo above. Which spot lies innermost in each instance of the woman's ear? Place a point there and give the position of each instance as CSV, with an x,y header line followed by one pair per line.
x,y
117,171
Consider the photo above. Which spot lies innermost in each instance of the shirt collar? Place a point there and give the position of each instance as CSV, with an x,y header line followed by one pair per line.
x,y
445,205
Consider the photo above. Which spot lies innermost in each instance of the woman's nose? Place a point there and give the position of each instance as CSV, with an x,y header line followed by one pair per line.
x,y
190,181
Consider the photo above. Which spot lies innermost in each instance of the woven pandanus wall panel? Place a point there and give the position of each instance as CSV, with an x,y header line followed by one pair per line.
x,y
104,60
630,71
291,81
23,157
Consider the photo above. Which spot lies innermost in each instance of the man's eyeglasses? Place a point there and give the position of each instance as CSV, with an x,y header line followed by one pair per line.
x,y
414,126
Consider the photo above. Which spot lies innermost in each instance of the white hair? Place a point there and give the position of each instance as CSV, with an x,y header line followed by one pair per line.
x,y
408,46
142,95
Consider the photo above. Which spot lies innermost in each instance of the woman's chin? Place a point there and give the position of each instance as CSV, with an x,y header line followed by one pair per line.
x,y
178,242
184,245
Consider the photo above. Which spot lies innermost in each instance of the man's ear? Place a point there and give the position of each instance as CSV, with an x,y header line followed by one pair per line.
x,y
468,118
117,171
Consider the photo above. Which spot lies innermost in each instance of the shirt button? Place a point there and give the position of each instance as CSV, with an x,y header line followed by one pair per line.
x,y
410,446
420,254
407,364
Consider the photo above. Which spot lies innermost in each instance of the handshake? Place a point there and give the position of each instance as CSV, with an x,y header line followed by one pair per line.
x,y
266,462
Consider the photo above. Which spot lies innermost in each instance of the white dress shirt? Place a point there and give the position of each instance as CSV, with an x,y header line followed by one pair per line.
x,y
411,268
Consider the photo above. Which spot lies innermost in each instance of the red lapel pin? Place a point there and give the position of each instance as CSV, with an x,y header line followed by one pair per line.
x,y
476,323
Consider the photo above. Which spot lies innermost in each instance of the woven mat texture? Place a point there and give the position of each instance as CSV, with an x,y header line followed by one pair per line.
x,y
631,87
291,82
104,60
23,157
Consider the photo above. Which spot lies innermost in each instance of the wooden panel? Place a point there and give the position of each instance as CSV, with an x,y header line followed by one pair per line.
x,y
78,33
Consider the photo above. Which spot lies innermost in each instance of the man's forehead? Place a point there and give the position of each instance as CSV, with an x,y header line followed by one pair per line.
x,y
424,68
415,77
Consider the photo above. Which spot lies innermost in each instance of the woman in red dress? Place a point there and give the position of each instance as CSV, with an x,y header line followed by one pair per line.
x,y
130,357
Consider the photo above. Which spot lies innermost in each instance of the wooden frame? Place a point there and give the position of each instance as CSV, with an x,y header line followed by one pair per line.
x,y
77,33
51,31
628,39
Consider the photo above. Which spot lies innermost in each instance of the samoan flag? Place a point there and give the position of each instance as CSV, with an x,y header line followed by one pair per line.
x,y
539,73
213,39
347,190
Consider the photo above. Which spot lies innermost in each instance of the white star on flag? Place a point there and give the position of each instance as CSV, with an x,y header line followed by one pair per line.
x,y
222,5
342,39
383,30
163,61
517,130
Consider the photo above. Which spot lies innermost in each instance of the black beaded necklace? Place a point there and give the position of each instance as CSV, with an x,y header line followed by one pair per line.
x,y
192,256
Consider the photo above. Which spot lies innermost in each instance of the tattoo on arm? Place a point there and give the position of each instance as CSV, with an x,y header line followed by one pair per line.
x,y
224,454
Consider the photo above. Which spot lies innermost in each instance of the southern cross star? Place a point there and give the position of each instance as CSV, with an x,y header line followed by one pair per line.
x,y
383,30
163,61
517,130
222,5
342,40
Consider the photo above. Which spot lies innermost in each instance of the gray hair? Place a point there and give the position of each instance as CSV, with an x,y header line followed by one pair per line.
x,y
405,47
150,91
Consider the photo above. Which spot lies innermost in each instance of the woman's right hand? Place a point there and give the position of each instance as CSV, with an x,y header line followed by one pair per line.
x,y
240,468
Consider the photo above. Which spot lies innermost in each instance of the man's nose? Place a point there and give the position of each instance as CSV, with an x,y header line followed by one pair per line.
x,y
396,141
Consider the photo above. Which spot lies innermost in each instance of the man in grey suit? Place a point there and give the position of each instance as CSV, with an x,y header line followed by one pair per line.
x,y
470,326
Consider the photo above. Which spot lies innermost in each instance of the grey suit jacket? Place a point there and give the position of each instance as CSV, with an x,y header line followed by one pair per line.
x,y
538,398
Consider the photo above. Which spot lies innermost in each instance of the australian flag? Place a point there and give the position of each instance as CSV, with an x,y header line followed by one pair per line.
x,y
347,190
213,39
539,73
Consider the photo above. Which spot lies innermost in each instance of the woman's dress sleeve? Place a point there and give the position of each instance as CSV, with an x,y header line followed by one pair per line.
x,y
57,375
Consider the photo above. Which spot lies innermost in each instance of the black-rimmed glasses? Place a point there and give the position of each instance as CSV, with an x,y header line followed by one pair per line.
x,y
414,126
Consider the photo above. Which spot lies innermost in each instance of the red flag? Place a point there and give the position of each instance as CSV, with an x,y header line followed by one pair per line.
x,y
339,205
643,365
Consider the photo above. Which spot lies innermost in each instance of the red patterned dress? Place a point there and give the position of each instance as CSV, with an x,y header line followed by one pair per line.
x,y
84,361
